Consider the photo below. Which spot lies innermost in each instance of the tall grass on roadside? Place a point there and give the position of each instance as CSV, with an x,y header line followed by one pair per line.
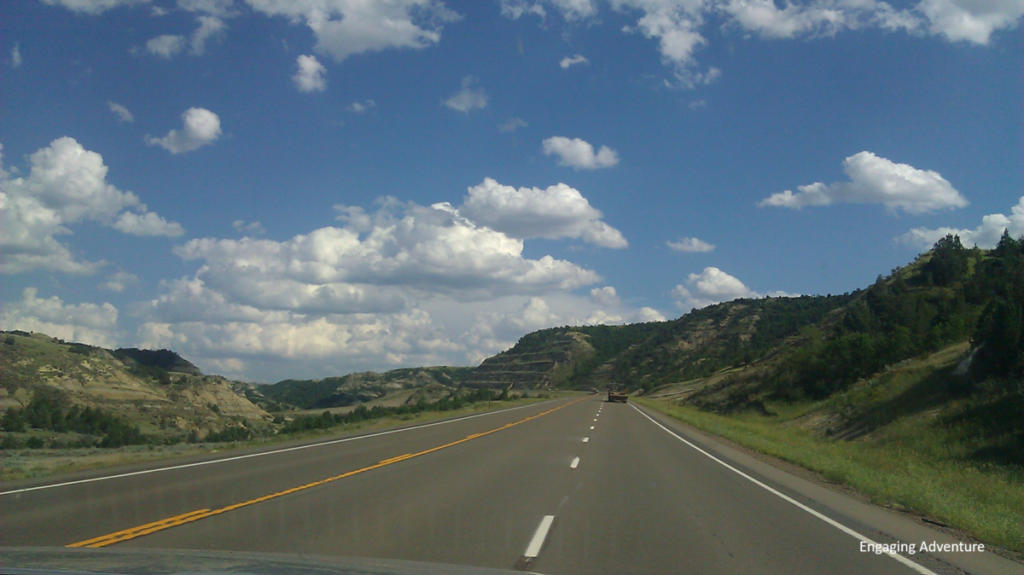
x,y
910,464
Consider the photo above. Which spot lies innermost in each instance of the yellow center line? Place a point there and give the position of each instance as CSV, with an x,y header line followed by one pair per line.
x,y
139,531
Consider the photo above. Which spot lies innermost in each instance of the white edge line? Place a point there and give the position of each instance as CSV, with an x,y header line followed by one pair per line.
x,y
591,427
586,439
836,524
533,550
260,454
574,463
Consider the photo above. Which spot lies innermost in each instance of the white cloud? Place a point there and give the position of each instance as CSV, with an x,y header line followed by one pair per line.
x,y
166,46
605,296
577,59
691,245
84,323
147,224
970,20
66,184
16,56
356,270
310,77
713,286
201,127
209,27
93,7
401,284
647,314
119,281
876,180
556,212
698,104
360,107
515,9
157,12
218,8
674,24
254,228
576,9
579,154
677,25
347,27
170,45
817,18
123,115
467,98
512,125
986,235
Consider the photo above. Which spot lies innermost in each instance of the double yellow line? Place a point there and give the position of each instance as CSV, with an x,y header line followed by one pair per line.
x,y
132,533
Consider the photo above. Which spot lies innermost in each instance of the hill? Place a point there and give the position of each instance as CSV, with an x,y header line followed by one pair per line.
x,y
407,385
77,393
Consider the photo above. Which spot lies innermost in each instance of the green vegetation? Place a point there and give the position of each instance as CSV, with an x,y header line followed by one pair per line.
x,y
893,448
50,411
155,361
362,413
357,387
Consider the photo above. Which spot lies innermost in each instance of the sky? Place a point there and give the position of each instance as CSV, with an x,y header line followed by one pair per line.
x,y
299,189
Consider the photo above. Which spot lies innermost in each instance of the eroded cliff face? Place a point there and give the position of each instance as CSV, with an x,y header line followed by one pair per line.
x,y
160,402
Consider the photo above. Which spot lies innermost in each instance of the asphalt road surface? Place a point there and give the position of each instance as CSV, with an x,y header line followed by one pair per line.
x,y
574,486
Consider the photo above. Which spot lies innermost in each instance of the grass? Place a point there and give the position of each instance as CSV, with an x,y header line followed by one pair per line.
x,y
893,444
35,463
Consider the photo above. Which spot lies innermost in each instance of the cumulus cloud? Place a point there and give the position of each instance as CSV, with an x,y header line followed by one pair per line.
x,y
713,286
170,45
201,127
347,27
515,9
970,21
16,56
360,107
579,154
166,46
556,212
986,235
218,8
147,224
570,61
123,115
400,284
512,125
648,314
876,180
691,245
119,281
311,75
66,184
467,98
254,228
355,269
677,25
209,27
605,296
93,7
84,323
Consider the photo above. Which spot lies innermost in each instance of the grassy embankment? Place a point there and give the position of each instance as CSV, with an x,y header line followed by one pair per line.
x,y
906,443
33,463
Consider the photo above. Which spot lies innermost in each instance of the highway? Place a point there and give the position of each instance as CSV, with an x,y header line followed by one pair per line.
x,y
572,486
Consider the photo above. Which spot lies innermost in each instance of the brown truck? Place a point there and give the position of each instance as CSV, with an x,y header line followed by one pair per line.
x,y
616,393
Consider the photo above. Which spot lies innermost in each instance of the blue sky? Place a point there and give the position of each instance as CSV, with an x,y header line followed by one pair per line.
x,y
301,189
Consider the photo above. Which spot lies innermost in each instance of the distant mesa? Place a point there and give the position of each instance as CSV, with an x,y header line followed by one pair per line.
x,y
165,359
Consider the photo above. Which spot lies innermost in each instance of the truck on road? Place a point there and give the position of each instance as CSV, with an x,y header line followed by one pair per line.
x,y
616,392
